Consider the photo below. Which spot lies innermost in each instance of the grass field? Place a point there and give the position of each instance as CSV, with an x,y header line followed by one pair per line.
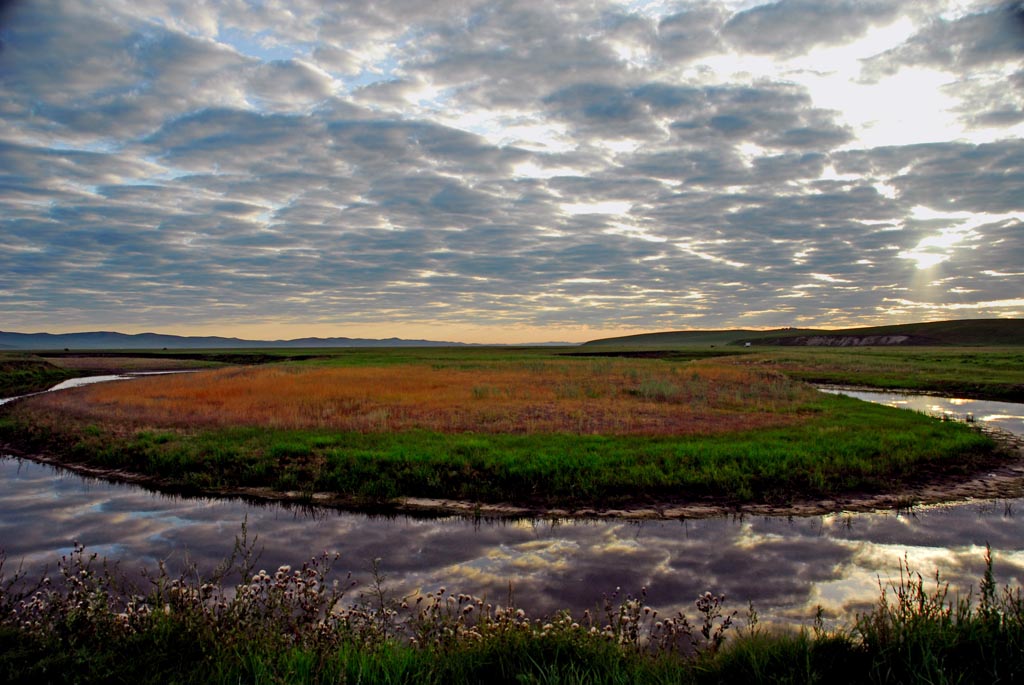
x,y
995,373
525,427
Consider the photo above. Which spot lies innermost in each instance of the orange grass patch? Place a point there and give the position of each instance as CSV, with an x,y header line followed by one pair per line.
x,y
609,398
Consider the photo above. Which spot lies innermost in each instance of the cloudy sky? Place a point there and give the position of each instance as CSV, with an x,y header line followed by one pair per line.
x,y
508,171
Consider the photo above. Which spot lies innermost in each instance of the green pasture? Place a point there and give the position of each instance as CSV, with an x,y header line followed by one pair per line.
x,y
995,373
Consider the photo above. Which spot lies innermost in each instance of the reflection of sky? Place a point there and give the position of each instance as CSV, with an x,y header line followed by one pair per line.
x,y
785,566
1006,415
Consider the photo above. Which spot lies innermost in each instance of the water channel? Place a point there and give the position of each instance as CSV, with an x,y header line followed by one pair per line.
x,y
785,566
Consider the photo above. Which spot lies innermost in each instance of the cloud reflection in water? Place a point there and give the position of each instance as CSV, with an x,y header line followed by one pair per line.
x,y
786,567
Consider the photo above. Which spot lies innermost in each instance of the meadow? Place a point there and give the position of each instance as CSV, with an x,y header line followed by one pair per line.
x,y
522,426
994,373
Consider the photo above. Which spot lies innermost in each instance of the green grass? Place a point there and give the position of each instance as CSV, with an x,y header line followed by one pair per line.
x,y
845,445
987,373
20,375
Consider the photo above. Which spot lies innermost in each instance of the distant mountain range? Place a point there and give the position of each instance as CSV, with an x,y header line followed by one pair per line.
x,y
956,332
108,340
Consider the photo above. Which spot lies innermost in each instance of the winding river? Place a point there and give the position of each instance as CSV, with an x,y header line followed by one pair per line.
x,y
785,567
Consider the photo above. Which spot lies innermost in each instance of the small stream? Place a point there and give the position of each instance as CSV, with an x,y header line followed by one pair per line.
x,y
785,566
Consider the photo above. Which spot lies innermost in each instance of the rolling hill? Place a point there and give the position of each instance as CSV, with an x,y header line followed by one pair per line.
x,y
955,332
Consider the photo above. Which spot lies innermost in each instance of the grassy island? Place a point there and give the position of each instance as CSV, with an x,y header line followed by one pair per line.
x,y
531,428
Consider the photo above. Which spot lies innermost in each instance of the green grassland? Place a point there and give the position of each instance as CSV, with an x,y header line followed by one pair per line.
x,y
995,373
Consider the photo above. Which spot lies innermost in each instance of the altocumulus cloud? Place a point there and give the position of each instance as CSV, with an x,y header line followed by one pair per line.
x,y
505,170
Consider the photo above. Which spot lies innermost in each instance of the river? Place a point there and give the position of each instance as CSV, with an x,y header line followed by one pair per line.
x,y
785,567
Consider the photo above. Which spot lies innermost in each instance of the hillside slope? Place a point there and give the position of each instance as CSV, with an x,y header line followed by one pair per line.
x,y
956,332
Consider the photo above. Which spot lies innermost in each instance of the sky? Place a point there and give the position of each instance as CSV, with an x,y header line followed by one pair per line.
x,y
508,171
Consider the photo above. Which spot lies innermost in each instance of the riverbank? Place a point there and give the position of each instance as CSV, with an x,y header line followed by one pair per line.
x,y
23,375
1002,479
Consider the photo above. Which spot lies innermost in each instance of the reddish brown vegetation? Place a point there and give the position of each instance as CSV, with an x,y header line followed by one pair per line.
x,y
597,398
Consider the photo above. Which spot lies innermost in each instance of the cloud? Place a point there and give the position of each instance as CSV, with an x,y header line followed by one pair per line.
x,y
792,27
503,166
993,35
981,50
690,33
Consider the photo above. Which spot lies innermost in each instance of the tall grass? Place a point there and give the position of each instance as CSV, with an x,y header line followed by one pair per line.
x,y
88,624
610,396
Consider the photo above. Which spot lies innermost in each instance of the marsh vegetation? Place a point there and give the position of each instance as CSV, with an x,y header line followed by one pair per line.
x,y
509,427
